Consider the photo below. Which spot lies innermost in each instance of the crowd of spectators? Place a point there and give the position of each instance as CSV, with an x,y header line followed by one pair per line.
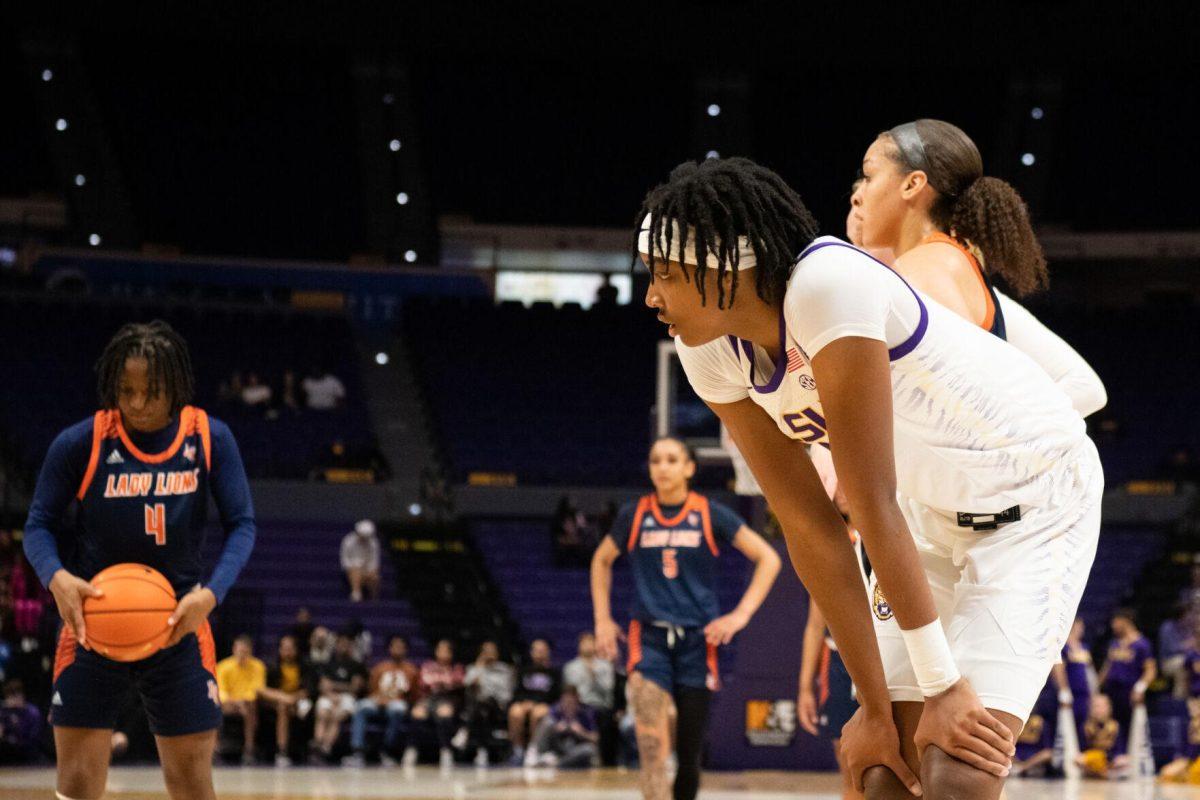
x,y
320,390
321,703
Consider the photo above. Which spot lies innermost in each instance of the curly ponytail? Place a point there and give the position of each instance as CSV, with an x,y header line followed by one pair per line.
x,y
982,212
992,216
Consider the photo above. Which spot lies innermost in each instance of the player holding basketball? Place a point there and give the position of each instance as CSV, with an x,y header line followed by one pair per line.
x,y
674,537
1001,480
145,427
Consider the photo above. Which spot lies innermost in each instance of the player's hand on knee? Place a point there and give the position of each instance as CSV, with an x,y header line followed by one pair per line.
x,y
608,633
958,724
806,711
870,740
69,593
190,613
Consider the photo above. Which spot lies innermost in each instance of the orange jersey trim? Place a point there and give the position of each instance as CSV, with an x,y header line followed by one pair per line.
x,y
713,671
208,648
635,645
642,506
187,420
989,315
205,432
689,504
823,676
64,654
101,424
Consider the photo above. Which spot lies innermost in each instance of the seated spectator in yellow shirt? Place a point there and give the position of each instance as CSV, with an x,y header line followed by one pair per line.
x,y
239,680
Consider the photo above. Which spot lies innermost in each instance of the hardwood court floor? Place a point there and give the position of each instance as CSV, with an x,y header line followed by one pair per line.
x,y
427,783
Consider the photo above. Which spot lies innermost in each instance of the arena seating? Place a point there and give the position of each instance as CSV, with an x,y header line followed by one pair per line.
x,y
51,343
296,564
552,395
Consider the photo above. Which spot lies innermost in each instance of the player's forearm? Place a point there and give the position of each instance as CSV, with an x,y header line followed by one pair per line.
x,y
895,561
238,546
601,588
810,650
1059,673
826,565
766,569
42,552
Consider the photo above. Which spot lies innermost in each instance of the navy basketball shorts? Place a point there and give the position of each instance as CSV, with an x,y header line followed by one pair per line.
x,y
838,703
177,685
672,656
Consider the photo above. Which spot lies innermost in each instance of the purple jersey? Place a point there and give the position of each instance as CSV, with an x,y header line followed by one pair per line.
x,y
1125,663
1191,662
1077,660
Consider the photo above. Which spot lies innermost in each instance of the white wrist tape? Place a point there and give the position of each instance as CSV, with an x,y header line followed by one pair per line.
x,y
929,652
1065,698
1140,687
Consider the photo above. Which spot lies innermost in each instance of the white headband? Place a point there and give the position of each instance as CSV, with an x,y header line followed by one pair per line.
x,y
687,255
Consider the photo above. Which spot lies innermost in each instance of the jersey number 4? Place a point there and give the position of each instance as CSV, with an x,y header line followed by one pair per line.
x,y
156,522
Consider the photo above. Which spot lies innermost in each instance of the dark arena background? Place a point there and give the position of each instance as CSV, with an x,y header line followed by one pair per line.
x,y
397,240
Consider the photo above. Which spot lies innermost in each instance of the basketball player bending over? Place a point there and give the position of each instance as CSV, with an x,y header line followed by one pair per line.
x,y
794,340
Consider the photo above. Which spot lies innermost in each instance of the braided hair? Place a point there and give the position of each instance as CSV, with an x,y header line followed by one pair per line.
x,y
166,353
719,199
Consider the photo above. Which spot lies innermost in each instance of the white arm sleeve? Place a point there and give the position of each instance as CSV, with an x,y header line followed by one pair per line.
x,y
1058,359
838,292
713,371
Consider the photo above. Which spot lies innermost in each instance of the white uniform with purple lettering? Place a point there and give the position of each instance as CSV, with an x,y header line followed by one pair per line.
x,y
979,429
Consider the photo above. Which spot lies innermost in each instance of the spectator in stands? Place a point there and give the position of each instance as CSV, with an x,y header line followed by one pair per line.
x,y
289,681
1128,671
538,685
320,646
1076,675
256,394
489,690
240,678
1186,764
567,737
394,688
595,679
287,393
442,690
302,626
322,390
1176,637
341,683
20,726
567,530
361,560
1101,740
362,639
1190,595
606,295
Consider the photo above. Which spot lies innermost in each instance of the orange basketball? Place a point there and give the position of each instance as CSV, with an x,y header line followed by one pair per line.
x,y
129,622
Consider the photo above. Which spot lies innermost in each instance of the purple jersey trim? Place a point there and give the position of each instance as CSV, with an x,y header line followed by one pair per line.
x,y
780,361
908,345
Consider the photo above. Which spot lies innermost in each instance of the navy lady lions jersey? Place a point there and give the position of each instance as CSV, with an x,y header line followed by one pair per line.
x,y
146,508
673,551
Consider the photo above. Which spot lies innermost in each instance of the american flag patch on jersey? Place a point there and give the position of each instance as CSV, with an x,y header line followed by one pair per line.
x,y
795,360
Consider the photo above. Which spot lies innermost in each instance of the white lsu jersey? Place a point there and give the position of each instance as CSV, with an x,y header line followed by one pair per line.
x,y
979,427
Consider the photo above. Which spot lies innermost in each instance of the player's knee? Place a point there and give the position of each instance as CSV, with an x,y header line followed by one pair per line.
x,y
946,778
880,783
76,782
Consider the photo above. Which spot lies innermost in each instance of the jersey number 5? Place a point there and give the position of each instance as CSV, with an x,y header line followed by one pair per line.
x,y
670,563
156,522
